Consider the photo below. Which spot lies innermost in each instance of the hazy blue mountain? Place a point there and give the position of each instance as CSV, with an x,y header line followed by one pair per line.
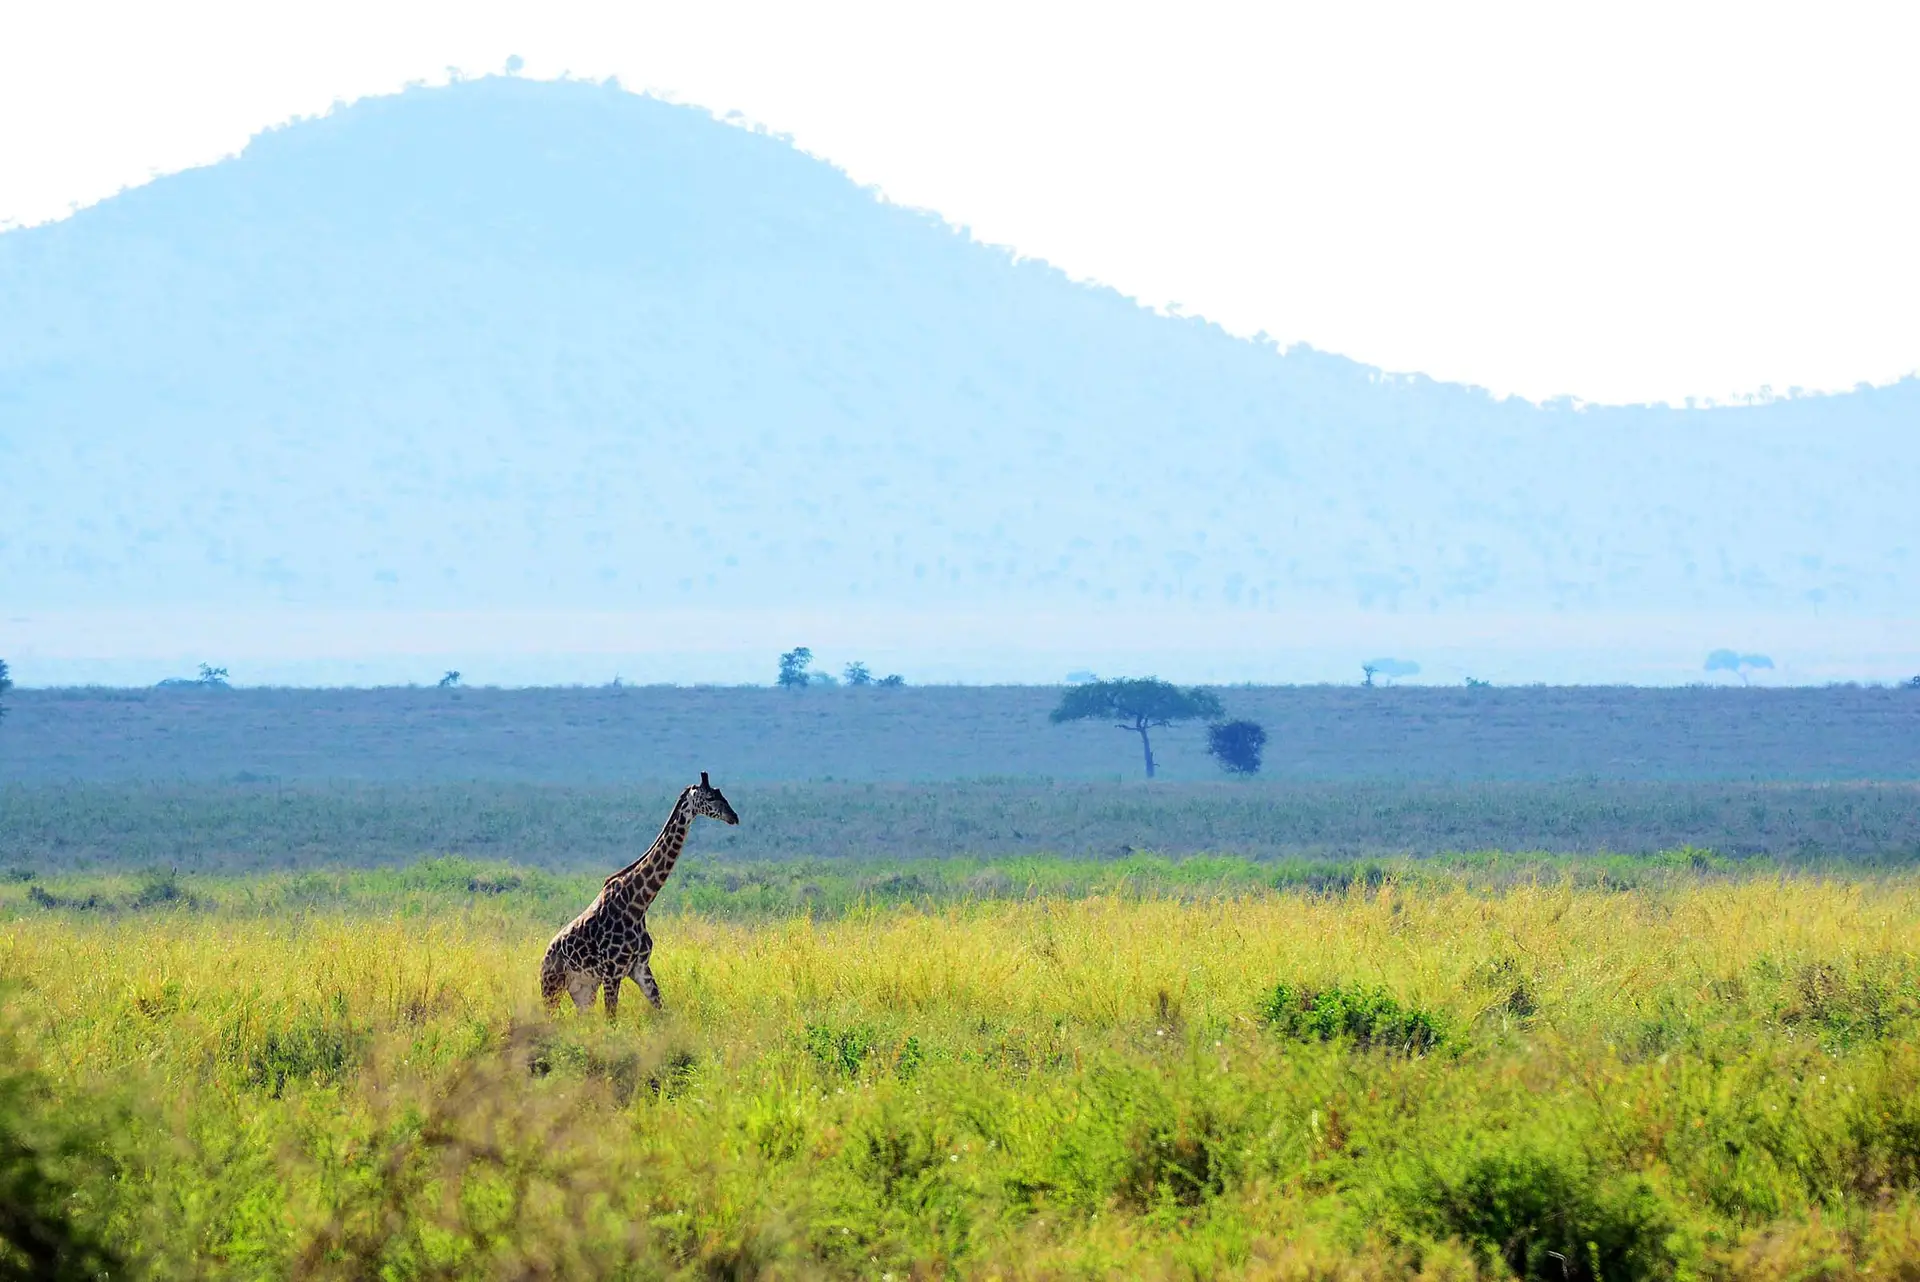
x,y
528,344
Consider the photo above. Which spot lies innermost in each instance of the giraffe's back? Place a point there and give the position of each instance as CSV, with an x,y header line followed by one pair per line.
x,y
601,941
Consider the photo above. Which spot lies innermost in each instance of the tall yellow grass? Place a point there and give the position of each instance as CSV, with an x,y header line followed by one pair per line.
x,y
1012,1089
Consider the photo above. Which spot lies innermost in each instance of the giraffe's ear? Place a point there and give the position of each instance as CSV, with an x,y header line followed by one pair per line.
x,y
703,780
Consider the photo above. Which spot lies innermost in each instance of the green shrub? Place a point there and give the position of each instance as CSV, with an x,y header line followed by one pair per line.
x,y
1543,1209
1366,1017
840,1050
1692,859
41,897
40,1145
1882,1125
161,888
315,1045
1175,1153
1149,1143
1845,1007
899,1179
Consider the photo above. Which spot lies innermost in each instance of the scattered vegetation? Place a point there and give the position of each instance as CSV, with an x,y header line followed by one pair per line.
x,y
817,889
1698,1076
208,678
858,674
1139,704
585,735
451,678
254,824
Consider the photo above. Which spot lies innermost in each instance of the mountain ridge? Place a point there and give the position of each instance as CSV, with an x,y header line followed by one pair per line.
x,y
518,344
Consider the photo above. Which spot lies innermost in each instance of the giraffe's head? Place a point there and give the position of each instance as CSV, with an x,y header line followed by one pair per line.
x,y
706,800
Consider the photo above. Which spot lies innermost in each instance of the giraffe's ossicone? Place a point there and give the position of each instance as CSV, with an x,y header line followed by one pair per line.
x,y
610,941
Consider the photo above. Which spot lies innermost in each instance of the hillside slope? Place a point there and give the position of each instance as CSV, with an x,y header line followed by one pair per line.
x,y
534,345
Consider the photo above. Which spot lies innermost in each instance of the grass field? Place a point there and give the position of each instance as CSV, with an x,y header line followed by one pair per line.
x,y
1176,1069
596,737
963,997
254,826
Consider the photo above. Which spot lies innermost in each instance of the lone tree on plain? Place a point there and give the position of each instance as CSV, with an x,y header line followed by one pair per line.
x,y
6,684
1237,745
793,668
1737,663
1388,668
1139,704
858,674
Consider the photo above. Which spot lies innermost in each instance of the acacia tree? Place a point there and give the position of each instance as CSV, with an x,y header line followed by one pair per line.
x,y
1139,704
1737,663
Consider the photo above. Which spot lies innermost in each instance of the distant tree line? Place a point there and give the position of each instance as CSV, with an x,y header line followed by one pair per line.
x,y
209,677
794,674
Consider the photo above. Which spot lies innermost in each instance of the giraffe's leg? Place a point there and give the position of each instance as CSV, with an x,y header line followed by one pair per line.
x,y
643,972
643,976
612,993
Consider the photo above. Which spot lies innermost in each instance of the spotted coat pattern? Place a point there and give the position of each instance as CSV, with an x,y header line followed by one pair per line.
x,y
610,941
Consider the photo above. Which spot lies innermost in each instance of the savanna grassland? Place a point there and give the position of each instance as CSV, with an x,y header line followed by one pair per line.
x,y
961,996
253,826
612,735
1665,1068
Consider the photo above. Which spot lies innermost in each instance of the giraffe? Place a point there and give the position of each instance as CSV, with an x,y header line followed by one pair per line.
x,y
610,940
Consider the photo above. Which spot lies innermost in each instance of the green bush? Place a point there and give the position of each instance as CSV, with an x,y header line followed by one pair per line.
x,y
314,1045
1366,1017
840,1050
1543,1209
1147,1142
1846,1006
41,1237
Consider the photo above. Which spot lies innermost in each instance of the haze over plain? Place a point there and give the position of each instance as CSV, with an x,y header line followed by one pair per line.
x,y
606,379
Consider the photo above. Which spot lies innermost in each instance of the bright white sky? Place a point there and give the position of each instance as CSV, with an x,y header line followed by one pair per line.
x,y
1619,201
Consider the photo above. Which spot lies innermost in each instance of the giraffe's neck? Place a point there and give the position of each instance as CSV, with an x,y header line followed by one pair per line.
x,y
640,881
